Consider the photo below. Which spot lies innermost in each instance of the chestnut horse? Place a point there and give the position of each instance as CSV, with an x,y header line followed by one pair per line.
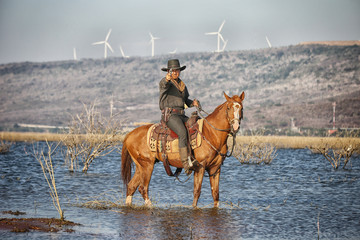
x,y
217,126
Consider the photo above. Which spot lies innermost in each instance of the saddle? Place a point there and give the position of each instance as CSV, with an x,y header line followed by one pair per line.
x,y
159,135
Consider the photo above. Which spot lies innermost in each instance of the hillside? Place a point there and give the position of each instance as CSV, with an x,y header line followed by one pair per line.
x,y
299,82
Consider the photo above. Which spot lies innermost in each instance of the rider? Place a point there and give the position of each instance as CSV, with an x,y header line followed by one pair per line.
x,y
173,96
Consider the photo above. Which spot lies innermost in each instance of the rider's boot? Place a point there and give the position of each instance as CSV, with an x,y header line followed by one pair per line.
x,y
185,160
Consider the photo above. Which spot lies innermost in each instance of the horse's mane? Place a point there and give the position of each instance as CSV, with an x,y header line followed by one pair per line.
x,y
217,109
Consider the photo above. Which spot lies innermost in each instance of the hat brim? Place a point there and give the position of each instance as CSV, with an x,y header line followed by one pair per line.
x,y
179,68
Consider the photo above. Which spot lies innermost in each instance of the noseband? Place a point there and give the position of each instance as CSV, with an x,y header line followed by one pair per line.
x,y
230,131
236,117
230,121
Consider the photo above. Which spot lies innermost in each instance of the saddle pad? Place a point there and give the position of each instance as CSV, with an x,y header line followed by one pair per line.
x,y
172,146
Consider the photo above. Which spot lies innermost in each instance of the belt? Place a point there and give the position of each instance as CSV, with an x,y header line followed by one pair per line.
x,y
174,110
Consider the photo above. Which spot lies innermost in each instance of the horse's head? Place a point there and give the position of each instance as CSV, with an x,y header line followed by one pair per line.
x,y
234,111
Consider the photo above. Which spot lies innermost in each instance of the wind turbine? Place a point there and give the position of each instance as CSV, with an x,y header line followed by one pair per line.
x,y
268,42
122,52
152,41
173,52
106,44
224,45
219,37
74,53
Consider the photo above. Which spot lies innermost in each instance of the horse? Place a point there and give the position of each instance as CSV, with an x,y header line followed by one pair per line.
x,y
224,120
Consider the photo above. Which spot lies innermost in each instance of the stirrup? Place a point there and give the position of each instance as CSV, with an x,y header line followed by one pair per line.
x,y
194,165
190,162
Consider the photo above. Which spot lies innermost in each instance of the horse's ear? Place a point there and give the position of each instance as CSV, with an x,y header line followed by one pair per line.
x,y
242,96
227,97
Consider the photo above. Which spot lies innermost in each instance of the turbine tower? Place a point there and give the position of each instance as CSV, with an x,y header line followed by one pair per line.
x,y
74,53
152,41
122,52
268,42
106,44
219,37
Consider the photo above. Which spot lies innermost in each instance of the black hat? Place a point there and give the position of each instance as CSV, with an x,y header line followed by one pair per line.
x,y
173,64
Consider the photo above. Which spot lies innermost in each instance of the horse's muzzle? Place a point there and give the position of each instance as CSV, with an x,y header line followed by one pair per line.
x,y
235,126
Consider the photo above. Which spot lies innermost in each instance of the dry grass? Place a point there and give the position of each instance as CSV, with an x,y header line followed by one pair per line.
x,y
299,142
332,43
40,137
30,136
277,141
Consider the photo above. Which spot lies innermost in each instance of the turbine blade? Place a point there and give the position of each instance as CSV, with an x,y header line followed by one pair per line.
x,y
122,52
211,33
268,42
107,36
97,43
224,45
221,37
108,45
221,26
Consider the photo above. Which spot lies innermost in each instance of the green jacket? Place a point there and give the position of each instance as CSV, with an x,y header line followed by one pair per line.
x,y
171,97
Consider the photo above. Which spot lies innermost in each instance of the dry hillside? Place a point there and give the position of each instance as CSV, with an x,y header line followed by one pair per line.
x,y
299,82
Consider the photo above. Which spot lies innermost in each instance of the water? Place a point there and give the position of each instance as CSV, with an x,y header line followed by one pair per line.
x,y
283,200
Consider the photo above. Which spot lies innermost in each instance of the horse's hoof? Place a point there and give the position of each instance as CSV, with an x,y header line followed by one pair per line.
x,y
128,201
148,203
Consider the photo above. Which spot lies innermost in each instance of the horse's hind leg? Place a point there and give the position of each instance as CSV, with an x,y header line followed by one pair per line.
x,y
147,170
132,186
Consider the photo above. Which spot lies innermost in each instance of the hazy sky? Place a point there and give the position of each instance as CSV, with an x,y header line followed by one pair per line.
x,y
48,30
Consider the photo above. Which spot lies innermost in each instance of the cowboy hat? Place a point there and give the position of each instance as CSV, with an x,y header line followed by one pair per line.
x,y
173,64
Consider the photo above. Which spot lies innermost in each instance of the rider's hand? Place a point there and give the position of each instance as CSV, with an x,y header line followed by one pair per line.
x,y
168,77
196,103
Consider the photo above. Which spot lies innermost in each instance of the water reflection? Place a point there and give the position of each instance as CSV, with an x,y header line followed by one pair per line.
x,y
179,223
279,201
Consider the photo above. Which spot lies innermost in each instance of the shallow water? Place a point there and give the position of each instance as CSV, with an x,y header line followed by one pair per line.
x,y
283,200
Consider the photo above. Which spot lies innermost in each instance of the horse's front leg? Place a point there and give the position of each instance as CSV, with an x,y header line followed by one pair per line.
x,y
198,178
214,174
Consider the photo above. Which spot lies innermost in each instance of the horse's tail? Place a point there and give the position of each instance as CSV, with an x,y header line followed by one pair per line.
x,y
126,164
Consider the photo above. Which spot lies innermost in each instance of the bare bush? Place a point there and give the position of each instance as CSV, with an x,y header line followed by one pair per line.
x,y
5,147
90,135
45,160
336,155
255,153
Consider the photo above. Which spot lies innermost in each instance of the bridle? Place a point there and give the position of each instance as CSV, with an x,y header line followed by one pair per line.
x,y
230,132
237,118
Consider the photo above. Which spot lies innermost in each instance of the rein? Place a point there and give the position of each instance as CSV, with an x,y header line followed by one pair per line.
x,y
223,156
222,130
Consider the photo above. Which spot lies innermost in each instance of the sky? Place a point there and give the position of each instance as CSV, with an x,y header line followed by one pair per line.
x,y
49,30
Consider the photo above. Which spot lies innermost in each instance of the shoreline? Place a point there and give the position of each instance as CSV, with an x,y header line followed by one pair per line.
x,y
294,142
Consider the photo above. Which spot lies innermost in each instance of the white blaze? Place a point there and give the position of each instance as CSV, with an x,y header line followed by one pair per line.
x,y
236,122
